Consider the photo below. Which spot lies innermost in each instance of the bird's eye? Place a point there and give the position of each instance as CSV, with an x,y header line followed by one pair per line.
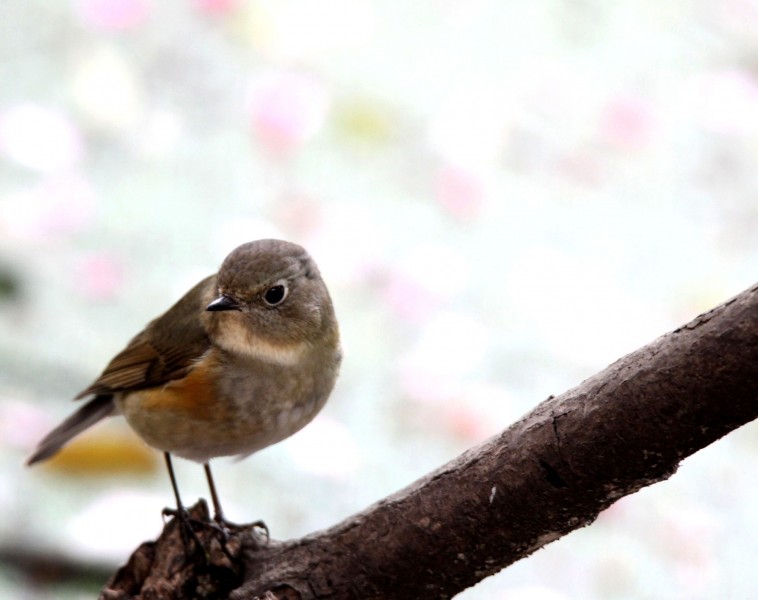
x,y
275,294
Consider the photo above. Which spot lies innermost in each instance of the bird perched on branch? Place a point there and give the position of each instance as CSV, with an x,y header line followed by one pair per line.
x,y
243,360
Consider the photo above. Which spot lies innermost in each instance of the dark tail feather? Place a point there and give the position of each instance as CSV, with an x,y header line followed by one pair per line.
x,y
89,414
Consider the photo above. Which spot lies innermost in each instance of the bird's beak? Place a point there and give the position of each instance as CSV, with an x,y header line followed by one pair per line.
x,y
224,303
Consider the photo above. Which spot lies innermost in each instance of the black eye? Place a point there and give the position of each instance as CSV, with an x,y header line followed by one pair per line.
x,y
275,294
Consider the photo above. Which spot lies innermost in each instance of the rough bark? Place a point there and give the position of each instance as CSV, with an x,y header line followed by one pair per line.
x,y
552,472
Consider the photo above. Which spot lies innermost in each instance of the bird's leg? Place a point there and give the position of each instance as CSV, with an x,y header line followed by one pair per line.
x,y
218,513
220,524
179,506
180,512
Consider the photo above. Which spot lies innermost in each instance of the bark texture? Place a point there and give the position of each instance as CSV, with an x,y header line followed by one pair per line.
x,y
552,472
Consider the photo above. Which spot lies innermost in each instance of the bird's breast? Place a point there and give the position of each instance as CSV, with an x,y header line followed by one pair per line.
x,y
227,406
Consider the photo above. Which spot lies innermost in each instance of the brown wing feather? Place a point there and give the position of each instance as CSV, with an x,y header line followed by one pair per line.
x,y
165,350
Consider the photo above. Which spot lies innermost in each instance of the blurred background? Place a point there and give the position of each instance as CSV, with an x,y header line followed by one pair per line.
x,y
504,197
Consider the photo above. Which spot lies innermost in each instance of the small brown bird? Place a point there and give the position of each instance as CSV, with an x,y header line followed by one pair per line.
x,y
245,359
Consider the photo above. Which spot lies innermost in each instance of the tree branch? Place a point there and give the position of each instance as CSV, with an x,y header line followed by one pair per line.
x,y
552,472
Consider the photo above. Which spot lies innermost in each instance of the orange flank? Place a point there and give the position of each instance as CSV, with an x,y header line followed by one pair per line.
x,y
191,394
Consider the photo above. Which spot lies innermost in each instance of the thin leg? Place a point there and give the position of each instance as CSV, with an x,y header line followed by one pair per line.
x,y
224,525
181,512
219,515
179,505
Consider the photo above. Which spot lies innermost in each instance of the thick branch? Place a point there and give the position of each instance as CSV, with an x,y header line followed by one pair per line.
x,y
550,473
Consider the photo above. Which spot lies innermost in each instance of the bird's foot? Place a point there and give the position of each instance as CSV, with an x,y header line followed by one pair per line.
x,y
187,525
199,526
226,529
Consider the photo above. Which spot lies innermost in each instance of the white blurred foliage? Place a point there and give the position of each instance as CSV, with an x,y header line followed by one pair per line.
x,y
110,526
326,447
40,138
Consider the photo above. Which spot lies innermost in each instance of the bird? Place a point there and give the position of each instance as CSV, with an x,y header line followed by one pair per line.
x,y
243,360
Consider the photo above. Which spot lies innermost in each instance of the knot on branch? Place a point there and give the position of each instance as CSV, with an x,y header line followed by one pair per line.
x,y
205,566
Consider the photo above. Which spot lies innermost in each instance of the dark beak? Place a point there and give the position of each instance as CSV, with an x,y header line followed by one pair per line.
x,y
223,303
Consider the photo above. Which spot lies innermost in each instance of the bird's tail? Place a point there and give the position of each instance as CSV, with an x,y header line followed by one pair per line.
x,y
89,414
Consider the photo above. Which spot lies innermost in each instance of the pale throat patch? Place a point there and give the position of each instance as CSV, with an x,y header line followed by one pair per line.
x,y
238,340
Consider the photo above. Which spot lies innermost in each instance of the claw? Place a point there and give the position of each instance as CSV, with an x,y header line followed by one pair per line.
x,y
187,529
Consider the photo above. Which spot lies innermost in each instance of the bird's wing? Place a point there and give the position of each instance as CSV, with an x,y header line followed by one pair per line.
x,y
165,350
